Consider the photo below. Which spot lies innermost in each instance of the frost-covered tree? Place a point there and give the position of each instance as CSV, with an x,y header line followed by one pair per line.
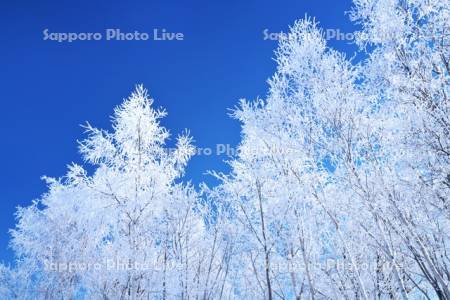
x,y
342,175
409,76
126,231
340,188
282,193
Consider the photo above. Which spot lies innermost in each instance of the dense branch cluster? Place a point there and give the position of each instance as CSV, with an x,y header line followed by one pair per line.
x,y
340,188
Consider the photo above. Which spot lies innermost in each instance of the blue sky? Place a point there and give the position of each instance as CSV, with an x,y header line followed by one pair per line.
x,y
48,88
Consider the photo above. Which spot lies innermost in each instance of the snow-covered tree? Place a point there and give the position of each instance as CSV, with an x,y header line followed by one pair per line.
x,y
340,188
127,231
409,76
343,170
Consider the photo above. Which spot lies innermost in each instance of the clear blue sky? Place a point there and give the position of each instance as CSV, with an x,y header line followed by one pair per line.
x,y
49,88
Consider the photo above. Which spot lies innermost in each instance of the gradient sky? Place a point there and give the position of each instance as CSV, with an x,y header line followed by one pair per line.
x,y
48,88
